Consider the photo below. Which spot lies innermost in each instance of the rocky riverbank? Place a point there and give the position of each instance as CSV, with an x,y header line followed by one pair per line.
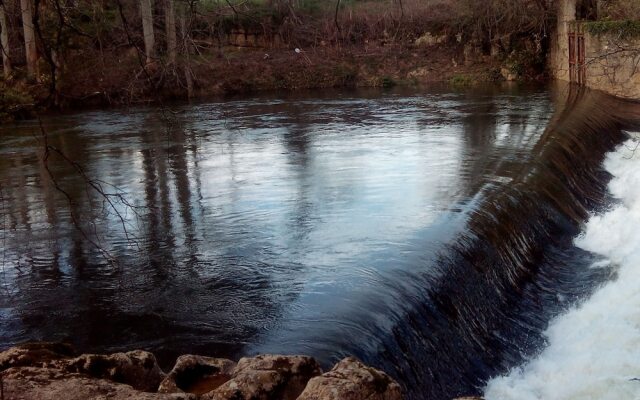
x,y
51,371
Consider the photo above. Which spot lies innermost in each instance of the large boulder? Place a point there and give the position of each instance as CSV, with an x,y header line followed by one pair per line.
x,y
267,377
197,374
34,383
34,354
352,380
136,368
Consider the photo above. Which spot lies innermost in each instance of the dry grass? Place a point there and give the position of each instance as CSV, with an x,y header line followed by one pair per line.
x,y
620,10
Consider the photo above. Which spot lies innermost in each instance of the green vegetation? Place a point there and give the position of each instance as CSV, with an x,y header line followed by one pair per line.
x,y
622,29
460,80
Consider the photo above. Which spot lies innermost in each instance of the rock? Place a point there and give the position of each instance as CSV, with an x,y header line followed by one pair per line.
x,y
48,371
418,73
268,377
34,354
197,374
508,75
33,383
136,368
352,380
429,40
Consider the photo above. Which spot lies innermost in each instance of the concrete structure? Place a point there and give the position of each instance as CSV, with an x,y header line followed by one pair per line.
x,y
559,60
604,62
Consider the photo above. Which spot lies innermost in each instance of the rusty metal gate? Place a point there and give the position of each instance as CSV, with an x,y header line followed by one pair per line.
x,y
577,69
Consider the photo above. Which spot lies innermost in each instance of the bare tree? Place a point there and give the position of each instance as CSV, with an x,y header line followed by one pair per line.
x,y
170,26
185,32
146,11
335,17
4,41
31,50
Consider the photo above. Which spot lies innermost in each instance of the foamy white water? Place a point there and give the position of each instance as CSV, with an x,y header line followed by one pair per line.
x,y
594,348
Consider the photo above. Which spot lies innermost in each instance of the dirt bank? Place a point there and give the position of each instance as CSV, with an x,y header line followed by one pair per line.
x,y
237,70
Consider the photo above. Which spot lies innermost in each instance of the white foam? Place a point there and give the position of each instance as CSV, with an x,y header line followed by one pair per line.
x,y
594,349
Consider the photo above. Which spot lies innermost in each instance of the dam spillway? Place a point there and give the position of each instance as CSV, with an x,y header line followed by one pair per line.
x,y
432,235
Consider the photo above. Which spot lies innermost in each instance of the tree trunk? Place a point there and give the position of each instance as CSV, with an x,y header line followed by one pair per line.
x,y
186,45
146,10
170,22
31,51
4,42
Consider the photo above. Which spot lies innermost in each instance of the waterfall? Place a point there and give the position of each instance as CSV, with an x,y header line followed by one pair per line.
x,y
516,266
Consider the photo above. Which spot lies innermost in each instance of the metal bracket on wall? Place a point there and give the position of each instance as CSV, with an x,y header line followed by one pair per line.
x,y
577,50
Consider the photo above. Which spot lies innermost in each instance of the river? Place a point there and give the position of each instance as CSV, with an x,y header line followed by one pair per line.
x,y
429,233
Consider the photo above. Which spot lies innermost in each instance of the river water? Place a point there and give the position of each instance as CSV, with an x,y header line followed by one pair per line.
x,y
419,231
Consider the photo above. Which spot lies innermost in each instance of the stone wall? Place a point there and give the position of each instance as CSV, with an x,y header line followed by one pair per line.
x,y
610,63
611,68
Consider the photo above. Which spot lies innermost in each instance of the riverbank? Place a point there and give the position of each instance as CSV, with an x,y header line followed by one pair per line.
x,y
43,371
237,70
115,53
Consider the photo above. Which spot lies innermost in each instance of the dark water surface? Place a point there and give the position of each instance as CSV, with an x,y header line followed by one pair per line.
x,y
317,223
